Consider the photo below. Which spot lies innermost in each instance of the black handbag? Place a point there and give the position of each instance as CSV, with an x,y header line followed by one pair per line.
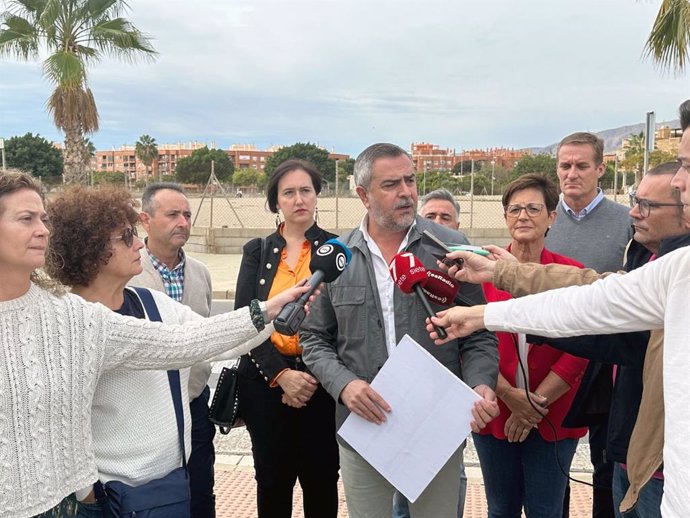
x,y
224,407
223,411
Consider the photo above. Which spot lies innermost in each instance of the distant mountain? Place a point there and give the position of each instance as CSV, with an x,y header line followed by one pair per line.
x,y
613,138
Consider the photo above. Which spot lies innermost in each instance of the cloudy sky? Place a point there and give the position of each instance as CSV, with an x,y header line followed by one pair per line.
x,y
458,73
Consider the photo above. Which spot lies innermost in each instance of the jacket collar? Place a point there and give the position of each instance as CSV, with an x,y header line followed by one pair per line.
x,y
313,235
356,239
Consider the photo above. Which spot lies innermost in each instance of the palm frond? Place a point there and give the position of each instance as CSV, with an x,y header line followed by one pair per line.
x,y
99,8
53,12
120,38
27,7
65,69
18,38
73,107
668,43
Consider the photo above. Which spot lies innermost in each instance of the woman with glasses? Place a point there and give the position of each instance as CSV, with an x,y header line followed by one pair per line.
x,y
133,419
516,450
55,346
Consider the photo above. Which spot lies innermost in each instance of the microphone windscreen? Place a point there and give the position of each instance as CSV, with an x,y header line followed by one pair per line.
x,y
440,289
407,271
331,258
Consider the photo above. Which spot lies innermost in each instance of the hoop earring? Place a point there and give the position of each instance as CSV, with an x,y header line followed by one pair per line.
x,y
316,215
278,221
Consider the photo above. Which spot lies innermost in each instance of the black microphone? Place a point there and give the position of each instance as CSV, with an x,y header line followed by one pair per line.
x,y
327,263
409,274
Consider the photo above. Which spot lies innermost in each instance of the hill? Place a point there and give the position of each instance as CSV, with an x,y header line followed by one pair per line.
x,y
613,138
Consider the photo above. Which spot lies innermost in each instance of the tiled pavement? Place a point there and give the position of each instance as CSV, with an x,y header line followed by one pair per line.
x,y
236,489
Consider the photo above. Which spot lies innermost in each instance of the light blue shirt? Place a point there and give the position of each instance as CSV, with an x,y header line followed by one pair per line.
x,y
589,208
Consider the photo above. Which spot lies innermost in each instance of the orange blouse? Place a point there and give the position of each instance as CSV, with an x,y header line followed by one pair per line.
x,y
287,277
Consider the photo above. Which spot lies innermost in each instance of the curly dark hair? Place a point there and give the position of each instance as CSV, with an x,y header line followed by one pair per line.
x,y
82,221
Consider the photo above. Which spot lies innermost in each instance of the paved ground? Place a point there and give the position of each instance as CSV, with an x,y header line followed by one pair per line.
x,y
235,493
235,486
236,489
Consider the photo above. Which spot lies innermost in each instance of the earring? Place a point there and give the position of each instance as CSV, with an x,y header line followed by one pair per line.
x,y
316,215
278,222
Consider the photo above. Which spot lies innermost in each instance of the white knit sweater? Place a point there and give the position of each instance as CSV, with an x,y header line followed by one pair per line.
x,y
654,296
53,350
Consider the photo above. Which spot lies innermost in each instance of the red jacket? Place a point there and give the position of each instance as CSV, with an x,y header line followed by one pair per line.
x,y
541,359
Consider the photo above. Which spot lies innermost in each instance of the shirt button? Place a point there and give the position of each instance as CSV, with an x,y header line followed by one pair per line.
x,y
276,250
262,282
268,266
316,243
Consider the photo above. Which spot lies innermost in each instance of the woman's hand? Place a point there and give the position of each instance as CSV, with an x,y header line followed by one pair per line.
x,y
294,403
520,408
297,385
458,322
275,304
515,430
478,268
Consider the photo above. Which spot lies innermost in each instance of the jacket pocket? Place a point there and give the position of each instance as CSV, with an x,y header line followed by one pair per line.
x,y
349,304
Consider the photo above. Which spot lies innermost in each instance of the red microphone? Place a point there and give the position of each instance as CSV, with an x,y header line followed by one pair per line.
x,y
440,288
409,274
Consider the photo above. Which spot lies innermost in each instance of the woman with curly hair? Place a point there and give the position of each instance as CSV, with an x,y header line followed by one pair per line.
x,y
54,348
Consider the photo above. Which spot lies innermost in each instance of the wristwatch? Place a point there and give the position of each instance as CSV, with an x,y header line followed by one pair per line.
x,y
264,311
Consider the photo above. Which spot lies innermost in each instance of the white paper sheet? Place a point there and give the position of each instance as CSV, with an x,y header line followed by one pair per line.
x,y
430,417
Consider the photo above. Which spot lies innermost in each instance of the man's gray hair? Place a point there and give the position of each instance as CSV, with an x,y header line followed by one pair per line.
x,y
364,165
147,203
444,195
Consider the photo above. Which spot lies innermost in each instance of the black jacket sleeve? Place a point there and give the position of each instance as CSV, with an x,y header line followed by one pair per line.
x,y
619,349
265,359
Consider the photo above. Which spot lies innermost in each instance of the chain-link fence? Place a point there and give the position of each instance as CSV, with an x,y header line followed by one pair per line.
x,y
343,213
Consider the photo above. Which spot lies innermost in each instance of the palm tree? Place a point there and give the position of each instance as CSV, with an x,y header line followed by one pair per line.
x,y
146,150
76,34
668,43
634,155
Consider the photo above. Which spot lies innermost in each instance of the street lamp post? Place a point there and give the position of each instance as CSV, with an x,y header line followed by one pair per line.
x,y
493,176
337,211
2,149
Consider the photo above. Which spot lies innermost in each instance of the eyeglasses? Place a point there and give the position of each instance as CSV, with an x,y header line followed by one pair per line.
x,y
645,206
532,210
127,236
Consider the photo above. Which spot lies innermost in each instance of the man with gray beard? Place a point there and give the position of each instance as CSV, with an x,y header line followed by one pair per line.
x,y
359,318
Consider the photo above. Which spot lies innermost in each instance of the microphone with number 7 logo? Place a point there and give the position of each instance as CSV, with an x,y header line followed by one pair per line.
x,y
409,274
327,263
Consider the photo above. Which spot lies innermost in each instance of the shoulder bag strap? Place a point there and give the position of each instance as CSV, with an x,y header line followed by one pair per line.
x,y
173,375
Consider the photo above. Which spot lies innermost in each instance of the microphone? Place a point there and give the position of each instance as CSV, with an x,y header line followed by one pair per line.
x,y
327,263
409,274
440,288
